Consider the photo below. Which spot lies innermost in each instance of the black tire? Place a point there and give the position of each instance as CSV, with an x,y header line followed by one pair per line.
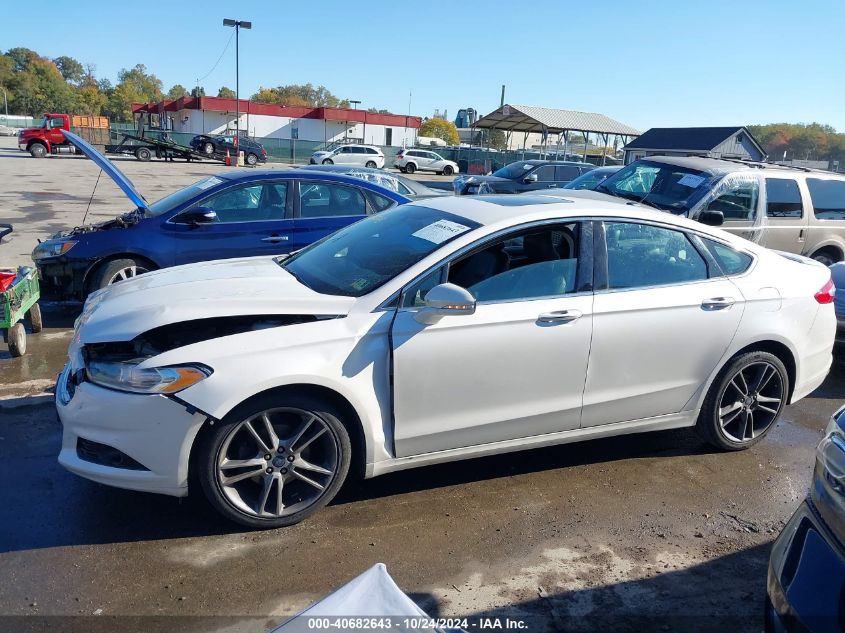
x,y
825,257
403,170
214,440
371,164
251,159
38,150
105,274
208,148
328,161
17,340
710,425
143,154
36,323
448,170
78,151
410,168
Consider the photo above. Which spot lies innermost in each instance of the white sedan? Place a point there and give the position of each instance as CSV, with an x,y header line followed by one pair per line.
x,y
438,331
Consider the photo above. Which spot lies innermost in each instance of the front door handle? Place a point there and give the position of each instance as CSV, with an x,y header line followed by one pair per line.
x,y
561,316
275,239
717,303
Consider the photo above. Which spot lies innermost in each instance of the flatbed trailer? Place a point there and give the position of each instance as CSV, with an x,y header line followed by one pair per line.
x,y
144,148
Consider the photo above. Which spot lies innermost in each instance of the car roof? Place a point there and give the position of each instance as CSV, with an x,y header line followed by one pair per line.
x,y
727,165
538,161
311,174
414,185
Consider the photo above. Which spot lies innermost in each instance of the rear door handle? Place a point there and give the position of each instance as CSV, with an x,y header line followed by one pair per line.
x,y
717,303
561,316
275,239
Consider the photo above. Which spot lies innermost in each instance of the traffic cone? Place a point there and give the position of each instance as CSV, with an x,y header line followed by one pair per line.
x,y
228,162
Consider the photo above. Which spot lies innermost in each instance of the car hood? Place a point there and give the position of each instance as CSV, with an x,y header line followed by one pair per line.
x,y
321,153
109,168
232,287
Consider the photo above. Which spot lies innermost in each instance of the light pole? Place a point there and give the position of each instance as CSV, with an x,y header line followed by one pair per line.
x,y
238,24
5,103
354,103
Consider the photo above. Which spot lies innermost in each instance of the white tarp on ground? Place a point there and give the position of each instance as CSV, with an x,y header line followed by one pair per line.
x,y
370,595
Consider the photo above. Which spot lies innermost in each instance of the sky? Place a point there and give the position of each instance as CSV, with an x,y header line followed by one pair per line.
x,y
645,63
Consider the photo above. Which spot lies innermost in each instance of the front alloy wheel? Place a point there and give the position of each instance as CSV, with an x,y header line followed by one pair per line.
x,y
744,401
276,465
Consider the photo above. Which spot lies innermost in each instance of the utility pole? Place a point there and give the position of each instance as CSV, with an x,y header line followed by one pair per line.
x,y
238,24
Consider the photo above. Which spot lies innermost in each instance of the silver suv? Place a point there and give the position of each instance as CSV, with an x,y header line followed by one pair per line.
x,y
789,209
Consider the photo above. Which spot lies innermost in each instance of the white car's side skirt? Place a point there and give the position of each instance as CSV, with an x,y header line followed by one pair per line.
x,y
659,423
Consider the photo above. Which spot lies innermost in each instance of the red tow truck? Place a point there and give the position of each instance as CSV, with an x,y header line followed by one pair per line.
x,y
48,138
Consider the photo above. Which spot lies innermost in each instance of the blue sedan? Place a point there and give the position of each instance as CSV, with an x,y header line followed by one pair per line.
x,y
234,214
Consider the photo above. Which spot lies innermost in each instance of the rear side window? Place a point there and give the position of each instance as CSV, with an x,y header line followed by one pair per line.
x,y
730,261
828,198
565,173
370,150
380,202
546,173
783,199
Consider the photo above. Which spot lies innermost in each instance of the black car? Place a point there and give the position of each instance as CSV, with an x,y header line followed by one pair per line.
x,y
806,585
523,175
212,144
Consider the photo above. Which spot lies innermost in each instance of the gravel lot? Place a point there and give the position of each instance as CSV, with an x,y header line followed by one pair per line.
x,y
653,531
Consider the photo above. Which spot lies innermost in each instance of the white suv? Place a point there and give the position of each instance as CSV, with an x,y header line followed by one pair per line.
x,y
364,155
411,160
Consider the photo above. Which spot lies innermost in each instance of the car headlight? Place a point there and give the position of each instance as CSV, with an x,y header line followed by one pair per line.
x,y
127,376
837,423
49,249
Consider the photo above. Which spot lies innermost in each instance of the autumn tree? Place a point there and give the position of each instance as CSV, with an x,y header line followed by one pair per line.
x,y
70,69
178,90
133,86
300,95
440,128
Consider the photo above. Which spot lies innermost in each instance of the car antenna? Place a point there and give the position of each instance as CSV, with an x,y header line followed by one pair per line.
x,y
84,217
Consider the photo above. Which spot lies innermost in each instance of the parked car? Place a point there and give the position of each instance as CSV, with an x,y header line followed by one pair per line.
x,y
837,272
363,155
447,329
5,130
408,187
523,175
411,160
592,178
212,144
796,210
232,214
806,581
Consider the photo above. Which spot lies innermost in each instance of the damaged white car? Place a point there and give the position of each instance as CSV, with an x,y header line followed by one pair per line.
x,y
446,329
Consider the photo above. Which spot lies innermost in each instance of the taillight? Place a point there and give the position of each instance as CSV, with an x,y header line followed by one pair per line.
x,y
826,294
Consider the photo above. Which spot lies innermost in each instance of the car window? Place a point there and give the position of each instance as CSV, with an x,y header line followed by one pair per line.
x,y
783,199
380,202
249,203
730,261
546,173
565,173
736,198
642,255
414,297
403,189
528,265
828,198
320,200
359,150
370,150
344,150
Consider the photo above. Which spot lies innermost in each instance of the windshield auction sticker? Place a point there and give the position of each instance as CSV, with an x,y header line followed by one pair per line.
x,y
208,183
691,180
440,231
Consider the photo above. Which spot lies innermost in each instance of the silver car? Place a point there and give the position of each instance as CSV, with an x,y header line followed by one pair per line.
x,y
411,160
362,155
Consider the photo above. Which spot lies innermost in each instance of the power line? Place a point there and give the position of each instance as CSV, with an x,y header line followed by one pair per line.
x,y
226,48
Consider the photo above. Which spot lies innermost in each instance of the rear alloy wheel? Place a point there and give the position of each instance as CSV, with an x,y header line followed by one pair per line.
x,y
207,148
328,161
143,154
448,170
371,164
275,462
744,401
118,270
38,150
410,168
251,159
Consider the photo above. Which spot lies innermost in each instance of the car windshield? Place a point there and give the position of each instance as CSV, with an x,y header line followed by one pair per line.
x,y
514,170
668,187
363,256
588,180
183,195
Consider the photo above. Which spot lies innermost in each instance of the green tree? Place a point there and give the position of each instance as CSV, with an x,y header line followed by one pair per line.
x,y
41,88
23,57
70,69
378,111
90,100
226,93
440,128
497,139
198,91
135,85
300,94
177,91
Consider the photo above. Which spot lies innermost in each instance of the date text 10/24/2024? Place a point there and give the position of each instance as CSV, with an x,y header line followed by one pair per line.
x,y
415,624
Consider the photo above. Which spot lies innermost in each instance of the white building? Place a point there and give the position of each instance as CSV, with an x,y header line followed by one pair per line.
x,y
215,115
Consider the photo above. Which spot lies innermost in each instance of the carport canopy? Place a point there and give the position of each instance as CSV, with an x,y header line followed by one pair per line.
x,y
521,118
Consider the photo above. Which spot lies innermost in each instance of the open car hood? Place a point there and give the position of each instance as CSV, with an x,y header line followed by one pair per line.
x,y
110,168
230,287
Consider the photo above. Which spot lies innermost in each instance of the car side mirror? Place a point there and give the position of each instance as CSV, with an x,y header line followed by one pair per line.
x,y
711,218
198,216
445,300
530,178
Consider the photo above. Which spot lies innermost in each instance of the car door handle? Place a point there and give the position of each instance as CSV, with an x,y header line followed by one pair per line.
x,y
275,239
717,303
561,316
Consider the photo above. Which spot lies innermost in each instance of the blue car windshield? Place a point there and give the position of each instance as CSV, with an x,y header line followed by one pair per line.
x,y
183,195
363,256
